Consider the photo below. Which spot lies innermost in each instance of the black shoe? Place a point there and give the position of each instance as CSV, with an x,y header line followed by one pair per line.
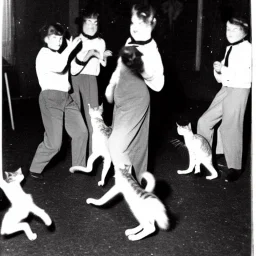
x,y
38,176
221,161
233,175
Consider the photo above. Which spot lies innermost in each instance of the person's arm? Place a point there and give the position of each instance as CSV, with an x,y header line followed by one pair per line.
x,y
217,71
153,69
239,72
109,93
57,62
81,60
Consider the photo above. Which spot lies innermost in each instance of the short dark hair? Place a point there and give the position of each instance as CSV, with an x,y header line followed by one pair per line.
x,y
240,21
51,29
89,12
145,12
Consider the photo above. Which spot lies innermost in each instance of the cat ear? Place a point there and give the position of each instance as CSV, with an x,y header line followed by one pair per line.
x,y
189,125
177,124
101,106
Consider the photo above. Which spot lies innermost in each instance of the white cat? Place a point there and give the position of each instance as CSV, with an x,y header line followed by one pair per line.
x,y
100,136
21,205
145,206
199,152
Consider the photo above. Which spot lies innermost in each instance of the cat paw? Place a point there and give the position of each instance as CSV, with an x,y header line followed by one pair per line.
x,y
128,232
133,238
211,177
72,169
33,237
101,183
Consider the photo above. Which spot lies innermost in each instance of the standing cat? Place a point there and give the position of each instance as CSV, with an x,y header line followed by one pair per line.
x,y
199,152
100,136
146,207
21,205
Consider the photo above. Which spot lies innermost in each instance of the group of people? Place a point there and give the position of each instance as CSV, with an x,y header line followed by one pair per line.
x,y
128,143
129,139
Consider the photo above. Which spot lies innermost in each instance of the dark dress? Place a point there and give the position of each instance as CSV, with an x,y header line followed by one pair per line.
x,y
128,142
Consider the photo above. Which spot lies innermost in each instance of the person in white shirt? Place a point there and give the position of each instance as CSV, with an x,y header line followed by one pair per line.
x,y
128,143
84,72
56,104
229,104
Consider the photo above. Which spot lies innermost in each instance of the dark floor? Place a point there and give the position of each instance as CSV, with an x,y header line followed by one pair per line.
x,y
209,218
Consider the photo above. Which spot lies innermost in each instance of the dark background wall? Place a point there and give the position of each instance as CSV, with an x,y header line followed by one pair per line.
x,y
178,46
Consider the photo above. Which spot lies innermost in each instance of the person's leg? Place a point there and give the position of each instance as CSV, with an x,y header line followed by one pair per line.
x,y
89,92
77,81
231,128
211,116
51,105
77,130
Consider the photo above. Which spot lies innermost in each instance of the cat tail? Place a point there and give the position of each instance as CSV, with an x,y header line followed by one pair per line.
x,y
78,168
150,181
162,219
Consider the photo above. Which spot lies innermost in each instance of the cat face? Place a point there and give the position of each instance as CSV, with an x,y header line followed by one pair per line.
x,y
96,112
14,176
125,168
131,57
182,130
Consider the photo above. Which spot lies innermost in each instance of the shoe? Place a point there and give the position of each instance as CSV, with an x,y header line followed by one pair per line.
x,y
38,176
233,175
221,161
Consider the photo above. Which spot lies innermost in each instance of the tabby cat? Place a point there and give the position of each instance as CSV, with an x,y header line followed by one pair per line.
x,y
199,152
21,205
145,206
100,136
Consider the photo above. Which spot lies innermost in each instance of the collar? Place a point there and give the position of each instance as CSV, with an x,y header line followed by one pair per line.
x,y
96,35
239,42
51,49
133,41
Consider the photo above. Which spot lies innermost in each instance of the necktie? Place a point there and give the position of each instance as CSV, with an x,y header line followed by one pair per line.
x,y
227,56
229,50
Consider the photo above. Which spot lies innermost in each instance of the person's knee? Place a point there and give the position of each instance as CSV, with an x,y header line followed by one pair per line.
x,y
200,124
55,145
82,134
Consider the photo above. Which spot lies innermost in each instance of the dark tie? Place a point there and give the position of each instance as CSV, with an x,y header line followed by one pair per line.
x,y
227,56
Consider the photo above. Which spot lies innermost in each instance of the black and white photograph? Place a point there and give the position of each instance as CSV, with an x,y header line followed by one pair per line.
x,y
127,128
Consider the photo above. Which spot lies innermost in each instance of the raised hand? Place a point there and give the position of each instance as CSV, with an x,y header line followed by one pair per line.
x,y
72,43
107,53
217,66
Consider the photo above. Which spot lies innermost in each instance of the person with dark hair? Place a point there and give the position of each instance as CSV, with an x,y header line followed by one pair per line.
x,y
56,104
128,143
85,70
229,104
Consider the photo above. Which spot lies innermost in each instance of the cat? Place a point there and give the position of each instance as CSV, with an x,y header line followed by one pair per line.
x,y
21,205
100,136
199,152
145,206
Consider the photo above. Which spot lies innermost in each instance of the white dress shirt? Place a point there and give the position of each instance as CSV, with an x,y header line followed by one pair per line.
x,y
49,67
238,74
153,67
93,65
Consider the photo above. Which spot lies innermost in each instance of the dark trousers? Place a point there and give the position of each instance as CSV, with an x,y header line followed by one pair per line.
x,y
229,106
86,89
58,109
